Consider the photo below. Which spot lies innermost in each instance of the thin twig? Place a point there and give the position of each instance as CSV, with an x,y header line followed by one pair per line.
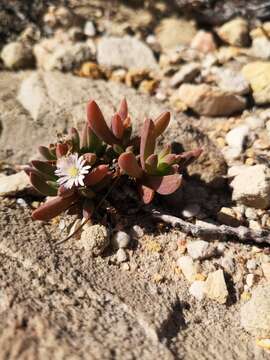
x,y
211,231
86,220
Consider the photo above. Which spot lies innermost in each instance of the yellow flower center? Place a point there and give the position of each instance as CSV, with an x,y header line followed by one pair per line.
x,y
73,171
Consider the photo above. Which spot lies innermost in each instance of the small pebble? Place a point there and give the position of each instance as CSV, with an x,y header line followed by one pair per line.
x,y
120,240
89,29
251,264
250,280
197,289
21,202
121,256
191,210
137,232
198,249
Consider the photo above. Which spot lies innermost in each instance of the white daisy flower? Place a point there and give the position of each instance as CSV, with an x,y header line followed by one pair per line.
x,y
71,170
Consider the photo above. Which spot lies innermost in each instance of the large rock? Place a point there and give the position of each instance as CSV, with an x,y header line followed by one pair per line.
x,y
211,101
172,32
10,185
255,314
127,52
231,81
51,102
235,32
258,75
51,54
252,187
17,55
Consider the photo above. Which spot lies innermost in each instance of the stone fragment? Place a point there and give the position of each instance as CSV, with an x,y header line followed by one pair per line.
x,y
261,48
258,75
228,264
17,55
187,73
256,191
266,270
187,267
191,210
228,217
94,239
231,81
211,101
255,314
172,32
89,29
196,289
235,32
236,137
127,52
12,184
204,42
121,256
198,249
215,287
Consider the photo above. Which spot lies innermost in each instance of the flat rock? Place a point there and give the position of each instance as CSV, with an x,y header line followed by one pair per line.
x,y
256,191
210,101
198,249
188,267
232,81
255,314
127,52
215,287
258,75
187,73
12,184
42,104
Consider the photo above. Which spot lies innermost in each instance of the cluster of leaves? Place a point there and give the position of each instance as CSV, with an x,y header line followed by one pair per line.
x,y
112,153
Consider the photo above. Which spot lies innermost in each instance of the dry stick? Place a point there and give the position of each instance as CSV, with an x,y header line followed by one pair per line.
x,y
86,220
211,231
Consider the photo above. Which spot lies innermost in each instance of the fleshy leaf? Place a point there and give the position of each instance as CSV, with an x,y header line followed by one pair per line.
x,y
88,208
98,124
147,194
64,192
148,139
47,170
123,109
46,153
61,150
90,158
41,186
75,138
161,123
129,164
151,164
96,175
188,157
117,126
52,208
164,185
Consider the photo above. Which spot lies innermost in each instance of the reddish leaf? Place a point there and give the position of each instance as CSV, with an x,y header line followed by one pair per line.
x,y
188,157
161,123
88,209
147,145
146,194
164,185
52,208
117,126
123,110
129,164
75,138
152,160
98,124
61,150
47,170
127,122
90,158
46,153
41,186
64,192
104,183
96,175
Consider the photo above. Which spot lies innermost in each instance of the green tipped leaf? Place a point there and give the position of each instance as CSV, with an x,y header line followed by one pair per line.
x,y
129,164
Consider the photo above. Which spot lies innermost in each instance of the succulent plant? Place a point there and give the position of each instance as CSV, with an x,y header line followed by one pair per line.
x,y
79,169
